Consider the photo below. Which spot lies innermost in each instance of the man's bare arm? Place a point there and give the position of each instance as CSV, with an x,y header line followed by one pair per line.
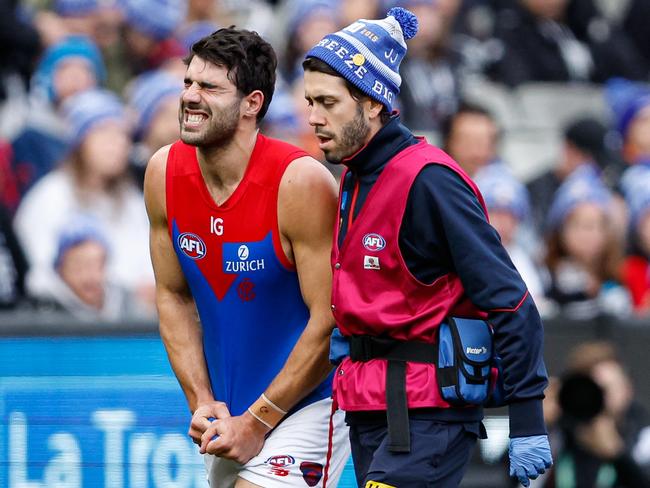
x,y
307,213
180,328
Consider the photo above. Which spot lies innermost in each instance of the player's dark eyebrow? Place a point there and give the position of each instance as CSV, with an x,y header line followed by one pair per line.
x,y
202,84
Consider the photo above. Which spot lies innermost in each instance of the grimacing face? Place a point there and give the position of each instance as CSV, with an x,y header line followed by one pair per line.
x,y
210,105
340,122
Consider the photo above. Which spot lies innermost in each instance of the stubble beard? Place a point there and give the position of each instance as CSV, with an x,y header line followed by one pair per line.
x,y
353,136
220,130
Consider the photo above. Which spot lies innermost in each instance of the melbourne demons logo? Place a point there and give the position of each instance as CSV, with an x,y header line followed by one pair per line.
x,y
374,242
192,245
311,472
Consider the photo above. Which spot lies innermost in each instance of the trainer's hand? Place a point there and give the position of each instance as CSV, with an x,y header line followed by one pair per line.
x,y
239,438
529,457
203,417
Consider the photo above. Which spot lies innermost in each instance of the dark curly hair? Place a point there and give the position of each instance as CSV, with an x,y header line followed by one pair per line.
x,y
250,60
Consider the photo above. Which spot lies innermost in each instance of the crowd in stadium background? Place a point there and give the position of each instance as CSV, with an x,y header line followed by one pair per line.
x,y
545,103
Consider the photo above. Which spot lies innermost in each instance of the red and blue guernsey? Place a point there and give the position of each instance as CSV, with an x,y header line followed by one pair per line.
x,y
246,291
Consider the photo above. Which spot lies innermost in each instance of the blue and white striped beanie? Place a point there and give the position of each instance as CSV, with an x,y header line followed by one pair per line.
x,y
89,108
368,53
74,46
148,93
157,19
502,191
577,189
79,229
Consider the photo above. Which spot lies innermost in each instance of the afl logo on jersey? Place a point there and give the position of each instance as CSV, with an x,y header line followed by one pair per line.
x,y
374,242
192,245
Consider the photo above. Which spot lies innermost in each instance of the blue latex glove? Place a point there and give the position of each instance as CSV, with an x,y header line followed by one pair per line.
x,y
339,347
529,457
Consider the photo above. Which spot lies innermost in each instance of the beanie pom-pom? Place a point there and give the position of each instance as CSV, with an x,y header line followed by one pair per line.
x,y
407,21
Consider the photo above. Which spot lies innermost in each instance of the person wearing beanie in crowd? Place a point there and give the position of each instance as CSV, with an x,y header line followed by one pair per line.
x,y
67,68
78,17
630,104
153,100
190,33
583,250
241,231
81,285
94,180
309,21
412,249
150,26
584,143
636,268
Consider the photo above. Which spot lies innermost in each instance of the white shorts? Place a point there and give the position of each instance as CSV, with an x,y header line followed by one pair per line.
x,y
309,449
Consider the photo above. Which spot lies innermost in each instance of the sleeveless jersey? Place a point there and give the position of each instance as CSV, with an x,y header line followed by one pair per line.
x,y
374,293
246,291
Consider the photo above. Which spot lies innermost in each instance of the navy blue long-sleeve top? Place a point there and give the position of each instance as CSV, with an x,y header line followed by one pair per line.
x,y
444,229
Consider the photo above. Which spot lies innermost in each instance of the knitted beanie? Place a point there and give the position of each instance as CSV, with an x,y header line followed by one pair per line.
x,y
87,109
147,95
80,229
579,188
157,19
502,191
71,47
368,53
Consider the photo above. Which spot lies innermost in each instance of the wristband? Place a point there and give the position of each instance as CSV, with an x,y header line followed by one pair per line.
x,y
266,411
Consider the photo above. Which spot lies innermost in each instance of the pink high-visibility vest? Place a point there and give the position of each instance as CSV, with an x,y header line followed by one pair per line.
x,y
374,293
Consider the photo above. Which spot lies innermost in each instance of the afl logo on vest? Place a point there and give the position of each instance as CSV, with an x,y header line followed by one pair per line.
x,y
192,245
374,242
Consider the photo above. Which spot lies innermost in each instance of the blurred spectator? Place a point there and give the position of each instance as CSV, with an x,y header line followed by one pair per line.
x,y
78,16
203,10
67,68
591,452
618,434
80,285
192,32
471,136
19,45
584,254
562,40
636,270
583,144
630,104
351,10
431,72
13,265
282,120
153,99
150,41
509,208
95,181
311,21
